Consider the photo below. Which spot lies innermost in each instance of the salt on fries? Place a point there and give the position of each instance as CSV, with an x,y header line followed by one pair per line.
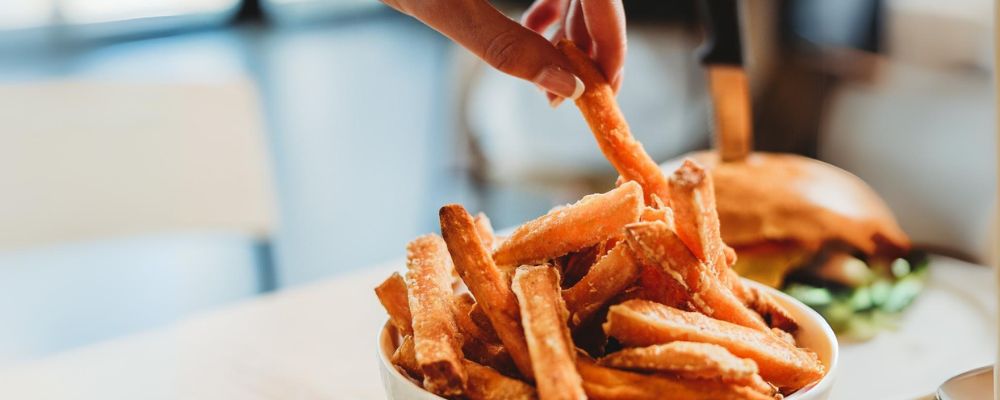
x,y
544,315
485,281
608,277
392,294
690,360
645,323
603,383
571,228
436,338
638,277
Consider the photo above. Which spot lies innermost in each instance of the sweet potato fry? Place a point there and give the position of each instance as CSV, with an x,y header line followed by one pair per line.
x,y
485,383
437,342
485,230
478,344
492,355
774,314
543,315
645,323
650,214
481,320
697,223
591,220
603,383
656,285
486,282
685,359
574,266
695,218
612,274
405,357
463,305
654,243
392,294
600,110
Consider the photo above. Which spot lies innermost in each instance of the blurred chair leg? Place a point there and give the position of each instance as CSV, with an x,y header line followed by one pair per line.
x,y
266,273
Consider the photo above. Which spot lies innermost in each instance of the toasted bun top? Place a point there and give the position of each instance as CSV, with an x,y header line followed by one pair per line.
x,y
786,197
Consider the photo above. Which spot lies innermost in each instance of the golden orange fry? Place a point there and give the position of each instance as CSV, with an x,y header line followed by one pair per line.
x,y
481,320
436,338
485,281
645,323
591,220
405,357
463,305
603,383
611,275
600,110
574,266
775,314
485,230
695,218
650,214
654,243
543,315
656,285
696,223
685,359
392,294
478,344
493,355
485,383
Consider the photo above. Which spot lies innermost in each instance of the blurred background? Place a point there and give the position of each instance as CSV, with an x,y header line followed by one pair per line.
x,y
164,157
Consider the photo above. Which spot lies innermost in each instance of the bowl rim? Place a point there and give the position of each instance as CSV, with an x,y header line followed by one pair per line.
x,y
821,386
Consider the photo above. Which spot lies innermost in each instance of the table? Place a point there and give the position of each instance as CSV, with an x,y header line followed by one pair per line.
x,y
318,342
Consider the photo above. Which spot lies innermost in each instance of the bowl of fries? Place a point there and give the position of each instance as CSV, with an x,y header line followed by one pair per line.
x,y
627,294
618,296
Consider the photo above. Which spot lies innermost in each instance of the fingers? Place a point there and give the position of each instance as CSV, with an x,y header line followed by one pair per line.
x,y
501,42
576,28
542,14
606,23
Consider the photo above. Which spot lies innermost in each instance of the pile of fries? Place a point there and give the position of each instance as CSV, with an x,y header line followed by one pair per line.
x,y
627,294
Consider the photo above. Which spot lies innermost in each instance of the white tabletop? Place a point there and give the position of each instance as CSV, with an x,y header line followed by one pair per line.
x,y
318,342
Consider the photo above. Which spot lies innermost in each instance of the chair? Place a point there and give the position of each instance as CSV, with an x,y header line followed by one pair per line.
x,y
125,206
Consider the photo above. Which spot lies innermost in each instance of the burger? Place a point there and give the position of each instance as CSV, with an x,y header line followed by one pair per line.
x,y
818,233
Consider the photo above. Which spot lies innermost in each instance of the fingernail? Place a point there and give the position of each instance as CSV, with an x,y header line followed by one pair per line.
x,y
555,101
560,82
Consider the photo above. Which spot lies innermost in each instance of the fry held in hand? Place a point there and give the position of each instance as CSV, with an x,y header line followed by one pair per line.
x,y
543,315
485,281
599,108
611,275
591,220
392,293
437,342
645,323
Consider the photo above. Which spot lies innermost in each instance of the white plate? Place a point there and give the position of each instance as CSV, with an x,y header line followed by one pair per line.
x,y
950,328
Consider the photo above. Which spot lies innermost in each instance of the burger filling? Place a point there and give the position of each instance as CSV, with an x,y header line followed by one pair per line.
x,y
858,295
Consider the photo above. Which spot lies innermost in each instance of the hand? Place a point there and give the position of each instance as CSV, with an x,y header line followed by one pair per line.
x,y
523,52
596,26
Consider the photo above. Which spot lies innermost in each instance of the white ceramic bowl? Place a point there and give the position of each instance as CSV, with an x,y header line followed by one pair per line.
x,y
814,333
